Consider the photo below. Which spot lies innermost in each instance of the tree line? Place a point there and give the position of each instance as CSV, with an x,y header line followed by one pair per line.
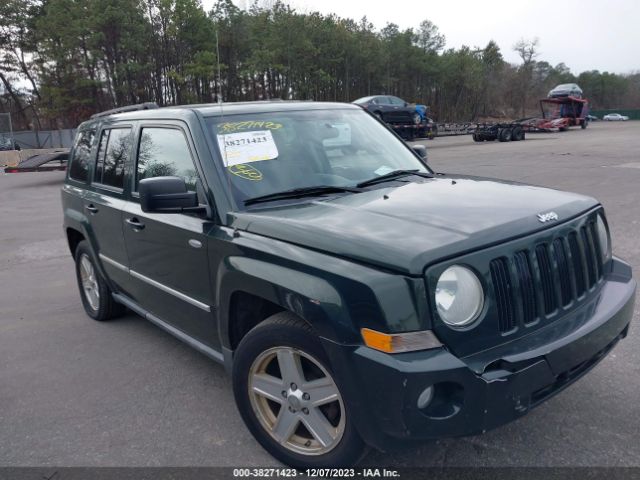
x,y
63,60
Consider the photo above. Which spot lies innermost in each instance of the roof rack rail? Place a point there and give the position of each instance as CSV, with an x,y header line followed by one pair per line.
x,y
128,108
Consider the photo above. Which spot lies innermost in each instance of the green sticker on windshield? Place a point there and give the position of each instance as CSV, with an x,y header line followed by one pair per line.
x,y
246,171
231,127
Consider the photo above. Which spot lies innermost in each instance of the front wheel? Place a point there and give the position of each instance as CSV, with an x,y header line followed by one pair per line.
x,y
289,399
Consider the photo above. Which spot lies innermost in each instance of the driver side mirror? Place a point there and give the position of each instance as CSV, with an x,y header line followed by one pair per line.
x,y
167,195
421,150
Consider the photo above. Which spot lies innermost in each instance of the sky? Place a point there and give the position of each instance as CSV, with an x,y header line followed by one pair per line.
x,y
586,35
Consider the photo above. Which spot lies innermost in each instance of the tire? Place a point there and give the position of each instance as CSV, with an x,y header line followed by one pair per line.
x,y
280,339
584,124
517,134
504,135
94,291
476,137
417,119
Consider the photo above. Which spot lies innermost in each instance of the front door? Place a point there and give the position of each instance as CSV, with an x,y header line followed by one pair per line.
x,y
168,252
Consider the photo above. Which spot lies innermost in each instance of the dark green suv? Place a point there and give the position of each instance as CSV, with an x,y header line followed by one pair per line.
x,y
356,296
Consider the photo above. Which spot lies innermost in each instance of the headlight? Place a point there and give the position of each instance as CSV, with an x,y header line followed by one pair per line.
x,y
603,239
459,296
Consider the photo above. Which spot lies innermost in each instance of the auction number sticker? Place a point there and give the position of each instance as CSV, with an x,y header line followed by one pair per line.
x,y
247,147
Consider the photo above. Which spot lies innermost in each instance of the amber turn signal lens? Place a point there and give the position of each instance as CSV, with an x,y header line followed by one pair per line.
x,y
399,342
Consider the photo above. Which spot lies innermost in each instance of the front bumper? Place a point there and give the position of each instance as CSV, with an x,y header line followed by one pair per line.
x,y
485,390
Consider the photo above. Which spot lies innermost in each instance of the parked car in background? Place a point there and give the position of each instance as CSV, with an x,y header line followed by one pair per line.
x,y
615,117
565,90
391,109
592,118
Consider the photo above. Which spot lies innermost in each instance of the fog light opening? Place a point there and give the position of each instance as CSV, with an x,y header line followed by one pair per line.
x,y
445,400
425,397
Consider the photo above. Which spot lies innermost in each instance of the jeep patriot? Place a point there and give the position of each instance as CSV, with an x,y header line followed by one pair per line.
x,y
357,297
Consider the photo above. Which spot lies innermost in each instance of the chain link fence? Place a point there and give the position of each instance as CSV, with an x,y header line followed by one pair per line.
x,y
7,141
32,139
45,138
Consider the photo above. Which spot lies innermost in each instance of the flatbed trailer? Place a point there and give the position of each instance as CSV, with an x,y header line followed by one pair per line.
x,y
504,132
412,131
45,162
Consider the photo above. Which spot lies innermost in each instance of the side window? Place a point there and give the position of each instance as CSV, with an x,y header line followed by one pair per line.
x,y
165,152
79,168
113,153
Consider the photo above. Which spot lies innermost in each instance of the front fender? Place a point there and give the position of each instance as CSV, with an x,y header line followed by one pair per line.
x,y
336,296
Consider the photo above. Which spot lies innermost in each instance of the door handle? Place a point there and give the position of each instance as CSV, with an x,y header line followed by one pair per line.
x,y
135,223
91,208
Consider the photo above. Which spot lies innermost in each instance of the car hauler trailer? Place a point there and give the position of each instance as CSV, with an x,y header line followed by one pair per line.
x,y
562,113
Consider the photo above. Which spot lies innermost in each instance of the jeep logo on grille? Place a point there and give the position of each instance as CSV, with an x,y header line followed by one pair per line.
x,y
547,217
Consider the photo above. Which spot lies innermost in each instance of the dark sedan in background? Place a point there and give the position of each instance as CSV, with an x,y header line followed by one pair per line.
x,y
391,109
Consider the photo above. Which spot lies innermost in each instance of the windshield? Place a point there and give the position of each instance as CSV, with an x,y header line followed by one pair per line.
x,y
267,153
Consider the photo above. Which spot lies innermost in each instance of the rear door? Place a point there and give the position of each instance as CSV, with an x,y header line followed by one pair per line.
x,y
168,252
104,201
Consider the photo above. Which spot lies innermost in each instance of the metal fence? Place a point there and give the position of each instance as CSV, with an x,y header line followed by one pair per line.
x,y
633,114
45,138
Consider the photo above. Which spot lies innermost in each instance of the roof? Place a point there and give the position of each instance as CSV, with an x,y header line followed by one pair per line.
x,y
217,109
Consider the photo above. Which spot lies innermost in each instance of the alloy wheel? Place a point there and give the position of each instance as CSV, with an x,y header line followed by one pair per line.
x,y
89,282
296,401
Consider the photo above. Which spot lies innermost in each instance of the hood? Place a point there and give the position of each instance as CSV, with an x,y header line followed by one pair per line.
x,y
405,228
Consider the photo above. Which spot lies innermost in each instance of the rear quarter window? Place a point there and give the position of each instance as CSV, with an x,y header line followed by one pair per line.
x,y
79,166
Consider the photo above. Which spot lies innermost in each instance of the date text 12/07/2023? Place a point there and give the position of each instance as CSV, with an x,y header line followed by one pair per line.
x,y
315,473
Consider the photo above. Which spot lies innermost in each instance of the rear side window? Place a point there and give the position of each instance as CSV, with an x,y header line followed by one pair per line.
x,y
79,168
165,152
113,154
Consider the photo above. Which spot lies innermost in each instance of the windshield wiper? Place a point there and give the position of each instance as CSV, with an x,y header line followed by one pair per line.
x,y
301,192
393,175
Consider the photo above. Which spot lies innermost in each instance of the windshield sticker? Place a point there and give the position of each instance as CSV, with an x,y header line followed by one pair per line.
x,y
383,170
247,147
247,172
231,127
